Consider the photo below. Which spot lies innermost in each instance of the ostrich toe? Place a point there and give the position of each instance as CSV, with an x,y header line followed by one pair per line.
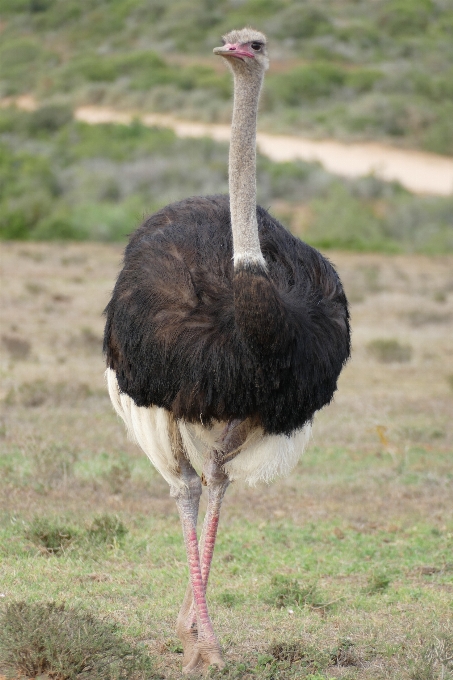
x,y
206,653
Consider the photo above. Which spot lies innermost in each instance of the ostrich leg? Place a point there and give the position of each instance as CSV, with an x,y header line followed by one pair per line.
x,y
206,648
217,482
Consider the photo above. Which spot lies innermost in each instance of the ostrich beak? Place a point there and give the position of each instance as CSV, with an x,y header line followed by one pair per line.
x,y
233,50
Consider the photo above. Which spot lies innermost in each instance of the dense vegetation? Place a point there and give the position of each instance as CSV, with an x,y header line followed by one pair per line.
x,y
60,178
349,68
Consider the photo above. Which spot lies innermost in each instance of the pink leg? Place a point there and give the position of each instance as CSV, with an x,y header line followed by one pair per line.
x,y
206,650
186,625
217,482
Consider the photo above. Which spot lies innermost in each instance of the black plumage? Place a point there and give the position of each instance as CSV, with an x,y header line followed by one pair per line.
x,y
209,342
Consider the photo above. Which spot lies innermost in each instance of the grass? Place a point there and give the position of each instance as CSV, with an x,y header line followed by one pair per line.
x,y
62,179
67,644
343,570
351,70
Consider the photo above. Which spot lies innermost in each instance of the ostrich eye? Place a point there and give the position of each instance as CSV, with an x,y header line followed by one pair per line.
x,y
256,46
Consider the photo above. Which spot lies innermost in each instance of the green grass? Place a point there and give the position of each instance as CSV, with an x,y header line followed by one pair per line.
x,y
378,70
361,580
62,179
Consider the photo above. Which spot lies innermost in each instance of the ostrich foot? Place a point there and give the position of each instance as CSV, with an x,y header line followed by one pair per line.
x,y
187,631
206,653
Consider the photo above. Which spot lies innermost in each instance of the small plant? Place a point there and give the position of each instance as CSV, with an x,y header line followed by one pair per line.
x,y
389,351
107,529
377,583
229,599
344,654
67,644
287,651
51,537
287,592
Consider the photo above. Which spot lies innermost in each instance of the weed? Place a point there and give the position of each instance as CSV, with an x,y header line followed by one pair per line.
x,y
344,654
50,536
287,651
377,583
173,645
389,351
287,592
229,599
67,644
106,529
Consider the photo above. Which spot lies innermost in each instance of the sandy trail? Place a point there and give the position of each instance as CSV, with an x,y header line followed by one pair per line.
x,y
418,171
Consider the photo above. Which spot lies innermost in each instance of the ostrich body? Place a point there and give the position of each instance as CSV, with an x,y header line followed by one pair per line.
x,y
224,335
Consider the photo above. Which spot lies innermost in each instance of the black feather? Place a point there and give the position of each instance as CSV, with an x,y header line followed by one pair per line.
x,y
188,332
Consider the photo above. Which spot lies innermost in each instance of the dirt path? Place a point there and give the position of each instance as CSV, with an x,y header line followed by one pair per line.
x,y
420,172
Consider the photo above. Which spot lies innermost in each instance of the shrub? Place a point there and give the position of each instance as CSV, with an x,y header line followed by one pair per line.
x,y
49,118
106,529
406,17
377,583
299,21
306,83
52,537
287,592
342,221
67,644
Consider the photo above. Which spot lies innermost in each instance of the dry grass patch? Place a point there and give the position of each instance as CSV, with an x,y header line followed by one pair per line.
x,y
67,644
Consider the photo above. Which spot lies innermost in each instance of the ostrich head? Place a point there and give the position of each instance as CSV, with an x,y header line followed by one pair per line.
x,y
245,51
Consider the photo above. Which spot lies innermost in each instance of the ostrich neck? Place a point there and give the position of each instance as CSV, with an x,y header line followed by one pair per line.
x,y
242,169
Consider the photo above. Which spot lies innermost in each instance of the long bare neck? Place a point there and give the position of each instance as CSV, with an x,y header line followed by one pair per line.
x,y
242,169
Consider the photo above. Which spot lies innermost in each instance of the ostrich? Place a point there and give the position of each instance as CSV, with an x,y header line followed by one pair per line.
x,y
224,335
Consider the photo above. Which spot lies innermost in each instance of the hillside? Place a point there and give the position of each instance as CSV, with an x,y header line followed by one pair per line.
x,y
62,178
348,69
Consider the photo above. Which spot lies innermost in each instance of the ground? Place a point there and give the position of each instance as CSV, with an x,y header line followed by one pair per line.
x,y
350,557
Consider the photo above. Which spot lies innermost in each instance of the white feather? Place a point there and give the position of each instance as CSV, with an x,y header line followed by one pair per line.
x,y
262,457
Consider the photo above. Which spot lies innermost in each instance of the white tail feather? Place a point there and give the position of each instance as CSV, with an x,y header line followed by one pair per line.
x,y
262,457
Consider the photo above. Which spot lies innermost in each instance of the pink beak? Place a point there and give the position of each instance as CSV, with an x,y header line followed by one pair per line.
x,y
233,50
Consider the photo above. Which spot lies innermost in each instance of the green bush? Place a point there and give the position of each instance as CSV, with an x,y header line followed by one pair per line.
x,y
342,221
302,21
307,83
49,118
406,17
